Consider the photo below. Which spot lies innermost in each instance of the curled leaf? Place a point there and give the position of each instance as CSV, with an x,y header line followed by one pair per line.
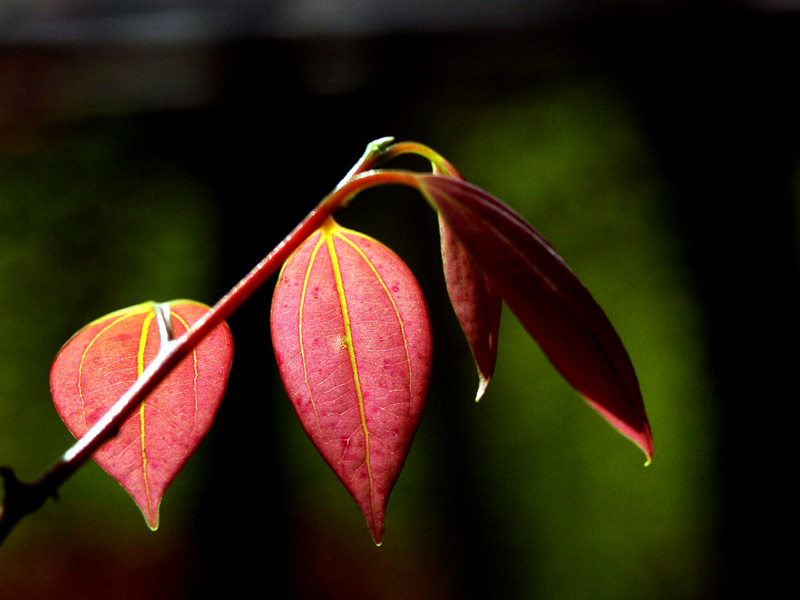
x,y
352,339
476,303
548,299
100,362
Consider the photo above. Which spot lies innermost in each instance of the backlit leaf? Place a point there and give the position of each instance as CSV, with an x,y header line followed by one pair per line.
x,y
353,343
476,303
100,362
548,299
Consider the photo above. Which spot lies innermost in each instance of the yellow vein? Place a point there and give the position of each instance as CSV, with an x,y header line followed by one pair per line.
x,y
139,370
126,315
348,332
391,299
306,277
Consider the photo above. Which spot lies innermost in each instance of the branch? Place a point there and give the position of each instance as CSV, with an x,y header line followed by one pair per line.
x,y
21,498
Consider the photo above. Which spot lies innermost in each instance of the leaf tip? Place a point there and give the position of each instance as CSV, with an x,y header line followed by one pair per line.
x,y
376,529
647,448
643,439
483,383
633,425
151,517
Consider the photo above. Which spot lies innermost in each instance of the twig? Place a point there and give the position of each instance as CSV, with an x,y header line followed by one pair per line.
x,y
21,498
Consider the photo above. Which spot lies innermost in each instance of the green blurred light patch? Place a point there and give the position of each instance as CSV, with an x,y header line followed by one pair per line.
x,y
88,225
582,518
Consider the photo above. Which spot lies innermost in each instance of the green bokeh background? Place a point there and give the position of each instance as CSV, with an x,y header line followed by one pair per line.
x,y
527,494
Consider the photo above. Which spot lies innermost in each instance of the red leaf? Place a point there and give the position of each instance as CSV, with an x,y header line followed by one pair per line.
x,y
100,362
476,303
352,338
548,299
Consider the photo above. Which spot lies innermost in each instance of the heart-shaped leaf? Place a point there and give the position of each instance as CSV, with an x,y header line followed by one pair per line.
x,y
352,339
548,299
476,303
100,362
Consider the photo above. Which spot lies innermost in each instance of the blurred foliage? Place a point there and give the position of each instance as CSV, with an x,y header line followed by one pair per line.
x,y
572,158
88,225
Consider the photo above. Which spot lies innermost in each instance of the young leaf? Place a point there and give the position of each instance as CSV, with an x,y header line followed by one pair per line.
x,y
100,362
548,299
477,305
352,339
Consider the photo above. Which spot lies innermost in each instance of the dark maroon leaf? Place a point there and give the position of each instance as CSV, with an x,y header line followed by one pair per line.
x,y
476,303
548,299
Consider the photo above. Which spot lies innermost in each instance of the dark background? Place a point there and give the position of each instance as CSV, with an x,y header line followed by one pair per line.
x,y
158,150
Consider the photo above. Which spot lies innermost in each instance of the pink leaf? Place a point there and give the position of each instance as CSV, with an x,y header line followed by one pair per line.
x,y
477,305
100,362
352,338
548,299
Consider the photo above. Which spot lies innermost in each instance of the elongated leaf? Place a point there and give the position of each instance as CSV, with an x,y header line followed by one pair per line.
x,y
352,339
548,299
100,362
476,303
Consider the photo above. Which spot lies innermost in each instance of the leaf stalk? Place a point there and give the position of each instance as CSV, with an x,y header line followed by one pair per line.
x,y
21,499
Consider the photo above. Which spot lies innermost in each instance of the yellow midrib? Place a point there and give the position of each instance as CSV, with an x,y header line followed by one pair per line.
x,y
328,232
83,359
348,335
396,310
140,365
